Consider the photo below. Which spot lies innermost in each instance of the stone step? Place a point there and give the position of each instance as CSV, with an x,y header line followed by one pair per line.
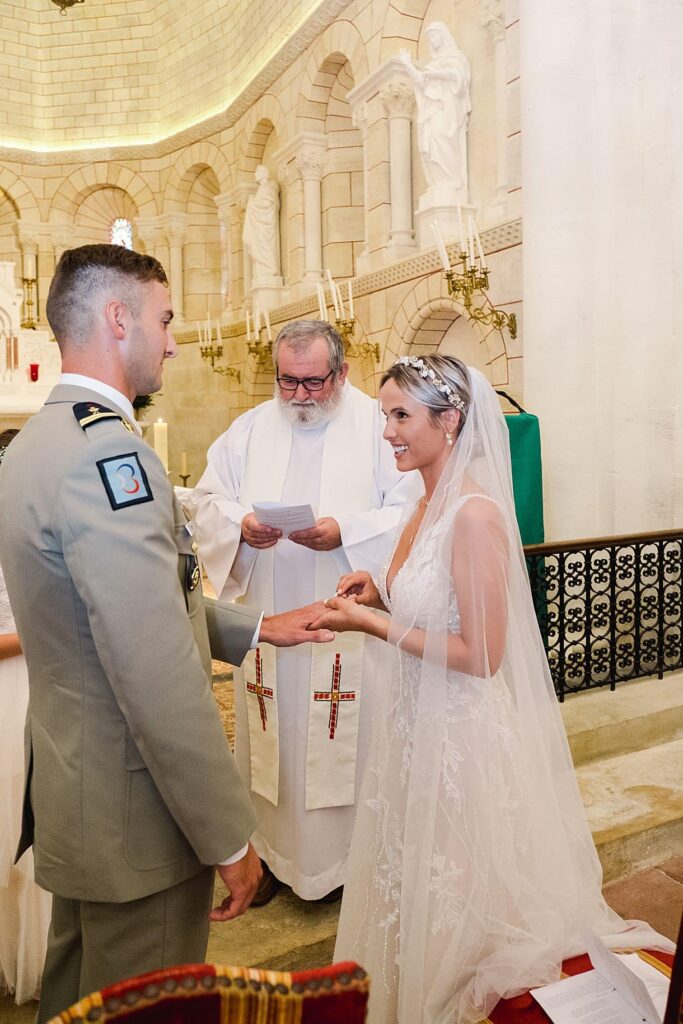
x,y
634,804
643,713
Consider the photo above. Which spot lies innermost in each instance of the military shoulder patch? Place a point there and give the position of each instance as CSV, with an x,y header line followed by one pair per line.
x,y
88,413
125,481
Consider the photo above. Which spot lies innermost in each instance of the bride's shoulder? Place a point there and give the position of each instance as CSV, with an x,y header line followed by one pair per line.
x,y
475,512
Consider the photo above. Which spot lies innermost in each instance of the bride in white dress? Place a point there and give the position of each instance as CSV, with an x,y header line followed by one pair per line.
x,y
472,872
24,908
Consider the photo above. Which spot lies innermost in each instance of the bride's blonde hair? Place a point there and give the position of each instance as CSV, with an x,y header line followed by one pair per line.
x,y
415,378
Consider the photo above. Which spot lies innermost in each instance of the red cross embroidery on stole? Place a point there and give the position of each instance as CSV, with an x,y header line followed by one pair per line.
x,y
260,690
335,694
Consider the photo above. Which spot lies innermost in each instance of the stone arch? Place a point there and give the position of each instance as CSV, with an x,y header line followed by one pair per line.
x,y
20,194
428,320
192,160
264,117
81,182
403,22
340,43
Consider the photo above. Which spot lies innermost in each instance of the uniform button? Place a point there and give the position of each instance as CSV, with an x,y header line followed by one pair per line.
x,y
194,545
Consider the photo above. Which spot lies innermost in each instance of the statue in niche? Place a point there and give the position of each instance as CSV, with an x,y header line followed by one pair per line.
x,y
442,94
261,234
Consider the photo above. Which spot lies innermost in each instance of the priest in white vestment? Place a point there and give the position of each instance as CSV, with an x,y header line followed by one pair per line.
x,y
303,715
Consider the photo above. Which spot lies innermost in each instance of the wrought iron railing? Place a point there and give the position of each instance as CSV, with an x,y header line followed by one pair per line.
x,y
609,609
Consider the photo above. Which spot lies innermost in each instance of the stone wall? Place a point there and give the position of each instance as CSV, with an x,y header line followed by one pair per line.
x,y
289,108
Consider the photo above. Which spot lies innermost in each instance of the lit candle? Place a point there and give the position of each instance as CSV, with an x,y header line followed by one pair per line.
x,y
183,464
462,231
333,295
248,319
266,317
441,247
350,300
160,441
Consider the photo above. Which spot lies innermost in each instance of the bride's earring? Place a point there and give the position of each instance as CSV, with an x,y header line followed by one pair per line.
x,y
449,439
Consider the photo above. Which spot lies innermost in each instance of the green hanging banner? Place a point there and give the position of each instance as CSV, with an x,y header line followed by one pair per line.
x,y
527,478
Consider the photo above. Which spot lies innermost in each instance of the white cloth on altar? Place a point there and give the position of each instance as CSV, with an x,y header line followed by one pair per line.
x,y
306,849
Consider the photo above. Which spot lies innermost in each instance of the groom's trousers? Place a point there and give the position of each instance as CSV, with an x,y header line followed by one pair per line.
x,y
91,945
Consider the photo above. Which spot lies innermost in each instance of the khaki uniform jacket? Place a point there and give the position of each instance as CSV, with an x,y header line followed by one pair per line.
x,y
131,786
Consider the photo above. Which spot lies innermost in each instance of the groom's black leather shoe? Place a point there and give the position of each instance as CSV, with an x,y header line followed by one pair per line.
x,y
267,887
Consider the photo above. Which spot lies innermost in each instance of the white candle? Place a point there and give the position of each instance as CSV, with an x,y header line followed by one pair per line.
x,y
350,300
470,225
333,295
183,464
218,333
266,317
160,441
30,265
257,321
340,301
441,247
462,231
248,319
322,312
208,328
199,333
480,249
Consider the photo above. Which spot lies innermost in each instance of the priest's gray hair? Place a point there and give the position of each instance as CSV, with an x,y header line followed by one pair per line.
x,y
448,369
91,273
300,335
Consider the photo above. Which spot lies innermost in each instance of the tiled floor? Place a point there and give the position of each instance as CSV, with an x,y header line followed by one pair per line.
x,y
655,895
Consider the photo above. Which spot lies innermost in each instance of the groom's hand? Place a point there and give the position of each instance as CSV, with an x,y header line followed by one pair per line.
x,y
324,536
291,628
241,880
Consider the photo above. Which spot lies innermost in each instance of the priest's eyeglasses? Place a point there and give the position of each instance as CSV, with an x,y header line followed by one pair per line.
x,y
308,383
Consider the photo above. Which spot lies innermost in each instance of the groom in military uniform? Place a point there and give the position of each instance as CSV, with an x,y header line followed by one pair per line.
x,y
132,795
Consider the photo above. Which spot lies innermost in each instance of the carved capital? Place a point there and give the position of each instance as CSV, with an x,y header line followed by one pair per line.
x,y
149,231
174,227
310,161
493,18
398,99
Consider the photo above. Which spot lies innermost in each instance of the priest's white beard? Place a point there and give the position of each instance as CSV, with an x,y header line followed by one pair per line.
x,y
310,413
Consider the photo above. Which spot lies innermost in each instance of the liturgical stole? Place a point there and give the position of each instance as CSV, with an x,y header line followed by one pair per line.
x,y
347,468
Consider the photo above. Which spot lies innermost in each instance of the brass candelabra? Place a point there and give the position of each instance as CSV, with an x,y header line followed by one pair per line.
x,y
351,349
212,352
462,285
29,321
262,351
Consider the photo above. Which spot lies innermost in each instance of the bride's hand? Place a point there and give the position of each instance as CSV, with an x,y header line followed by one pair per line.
x,y
344,614
360,585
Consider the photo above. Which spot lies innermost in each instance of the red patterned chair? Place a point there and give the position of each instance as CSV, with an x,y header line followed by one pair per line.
x,y
210,994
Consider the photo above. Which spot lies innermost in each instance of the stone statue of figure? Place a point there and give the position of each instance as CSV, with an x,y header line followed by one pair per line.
x,y
442,94
261,234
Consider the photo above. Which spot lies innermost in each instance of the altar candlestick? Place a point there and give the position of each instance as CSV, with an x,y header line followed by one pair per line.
x,y
441,247
340,301
471,240
350,300
29,268
257,322
266,317
183,464
160,441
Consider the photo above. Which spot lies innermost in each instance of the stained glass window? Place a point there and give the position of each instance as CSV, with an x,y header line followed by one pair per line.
x,y
122,233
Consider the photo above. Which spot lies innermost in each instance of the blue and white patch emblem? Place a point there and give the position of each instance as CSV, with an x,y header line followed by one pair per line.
x,y
125,481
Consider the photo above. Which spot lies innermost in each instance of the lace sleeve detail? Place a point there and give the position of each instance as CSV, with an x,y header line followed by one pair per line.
x,y
7,624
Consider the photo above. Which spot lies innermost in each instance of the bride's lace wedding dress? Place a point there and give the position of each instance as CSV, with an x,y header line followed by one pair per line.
x,y
456,892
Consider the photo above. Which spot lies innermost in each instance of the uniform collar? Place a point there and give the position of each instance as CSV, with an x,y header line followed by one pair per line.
x,y
123,403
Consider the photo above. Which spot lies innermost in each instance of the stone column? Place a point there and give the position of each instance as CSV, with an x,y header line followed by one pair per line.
x,y
360,121
399,102
174,228
493,19
224,204
309,161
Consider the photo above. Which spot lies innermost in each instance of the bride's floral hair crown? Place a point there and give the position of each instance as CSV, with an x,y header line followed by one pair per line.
x,y
428,374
